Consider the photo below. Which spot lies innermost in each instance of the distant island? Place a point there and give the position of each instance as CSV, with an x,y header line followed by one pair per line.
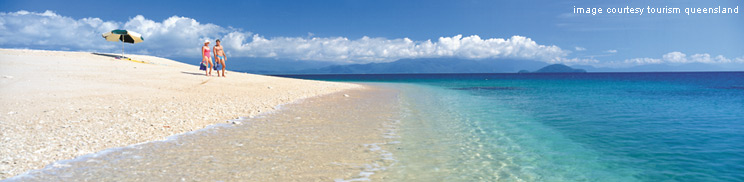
x,y
555,68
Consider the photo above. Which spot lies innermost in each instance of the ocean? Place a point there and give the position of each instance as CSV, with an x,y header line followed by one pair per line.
x,y
566,126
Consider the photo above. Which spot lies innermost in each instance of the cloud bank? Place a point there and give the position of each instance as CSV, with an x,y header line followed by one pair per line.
x,y
172,37
368,49
681,58
183,37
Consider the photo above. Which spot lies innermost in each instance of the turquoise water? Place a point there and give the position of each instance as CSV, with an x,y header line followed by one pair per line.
x,y
567,127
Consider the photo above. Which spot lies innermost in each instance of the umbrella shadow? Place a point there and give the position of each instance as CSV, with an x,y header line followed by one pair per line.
x,y
109,55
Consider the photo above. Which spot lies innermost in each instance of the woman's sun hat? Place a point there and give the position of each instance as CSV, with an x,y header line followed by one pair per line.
x,y
206,41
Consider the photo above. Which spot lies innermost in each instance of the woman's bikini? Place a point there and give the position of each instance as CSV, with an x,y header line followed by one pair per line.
x,y
205,54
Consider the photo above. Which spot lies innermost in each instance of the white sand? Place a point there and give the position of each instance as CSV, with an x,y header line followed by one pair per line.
x,y
57,105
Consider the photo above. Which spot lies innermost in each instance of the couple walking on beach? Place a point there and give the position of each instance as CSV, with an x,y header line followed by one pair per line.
x,y
219,61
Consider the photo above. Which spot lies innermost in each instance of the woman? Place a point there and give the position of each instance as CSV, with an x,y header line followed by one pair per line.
x,y
206,59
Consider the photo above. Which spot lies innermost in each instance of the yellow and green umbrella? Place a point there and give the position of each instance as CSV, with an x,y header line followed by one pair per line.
x,y
123,36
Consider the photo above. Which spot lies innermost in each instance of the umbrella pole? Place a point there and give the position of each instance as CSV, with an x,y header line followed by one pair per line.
x,y
122,50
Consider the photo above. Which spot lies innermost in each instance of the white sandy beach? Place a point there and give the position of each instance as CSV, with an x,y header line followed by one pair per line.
x,y
58,105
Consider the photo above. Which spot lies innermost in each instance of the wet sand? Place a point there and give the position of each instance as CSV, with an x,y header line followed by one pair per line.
x,y
58,105
333,137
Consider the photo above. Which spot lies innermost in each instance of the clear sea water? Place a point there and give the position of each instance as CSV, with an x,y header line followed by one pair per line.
x,y
567,127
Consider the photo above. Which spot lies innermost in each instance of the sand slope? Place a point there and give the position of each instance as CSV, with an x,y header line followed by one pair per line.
x,y
56,105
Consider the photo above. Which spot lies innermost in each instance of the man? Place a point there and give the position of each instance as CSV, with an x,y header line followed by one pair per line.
x,y
220,58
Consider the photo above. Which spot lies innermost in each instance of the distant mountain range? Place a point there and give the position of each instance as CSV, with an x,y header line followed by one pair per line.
x,y
431,65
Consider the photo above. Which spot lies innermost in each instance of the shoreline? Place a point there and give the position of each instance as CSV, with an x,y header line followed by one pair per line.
x,y
59,105
313,139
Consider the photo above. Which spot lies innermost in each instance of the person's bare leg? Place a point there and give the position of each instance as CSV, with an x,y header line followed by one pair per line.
x,y
204,60
223,67
209,66
219,61
216,61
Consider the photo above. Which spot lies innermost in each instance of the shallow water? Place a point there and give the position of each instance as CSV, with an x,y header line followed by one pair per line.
x,y
451,137
567,127
329,138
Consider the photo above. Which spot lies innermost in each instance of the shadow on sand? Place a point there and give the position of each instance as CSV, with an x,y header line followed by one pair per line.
x,y
109,55
192,73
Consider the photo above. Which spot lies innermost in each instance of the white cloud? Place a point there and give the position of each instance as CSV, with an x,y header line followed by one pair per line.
x,y
48,29
173,36
182,36
612,51
739,59
675,57
640,61
368,49
579,48
681,58
678,57
573,61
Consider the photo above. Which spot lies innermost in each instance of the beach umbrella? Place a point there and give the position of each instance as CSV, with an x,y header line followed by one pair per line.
x,y
124,36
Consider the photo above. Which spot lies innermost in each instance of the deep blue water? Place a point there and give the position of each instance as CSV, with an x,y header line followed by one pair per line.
x,y
568,126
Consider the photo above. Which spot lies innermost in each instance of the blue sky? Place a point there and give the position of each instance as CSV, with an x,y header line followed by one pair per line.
x,y
336,30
